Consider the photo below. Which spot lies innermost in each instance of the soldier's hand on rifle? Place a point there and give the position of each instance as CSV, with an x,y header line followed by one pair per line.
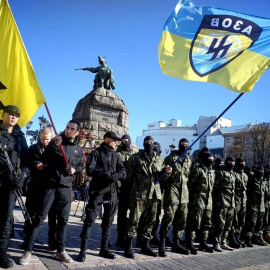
x,y
40,166
168,169
58,139
19,181
70,170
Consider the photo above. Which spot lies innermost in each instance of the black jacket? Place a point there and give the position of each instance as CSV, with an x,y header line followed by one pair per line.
x,y
101,164
57,174
16,146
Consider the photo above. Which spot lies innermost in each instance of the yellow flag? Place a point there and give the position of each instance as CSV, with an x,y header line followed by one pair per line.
x,y
18,82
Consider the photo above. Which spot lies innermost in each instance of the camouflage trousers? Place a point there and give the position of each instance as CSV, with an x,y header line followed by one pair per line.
x,y
174,214
142,208
222,224
266,221
239,219
198,221
255,223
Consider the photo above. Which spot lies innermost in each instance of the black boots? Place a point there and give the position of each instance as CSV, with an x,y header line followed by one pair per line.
x,y
257,241
162,248
190,247
177,248
82,254
129,252
237,239
233,243
146,249
104,250
248,242
204,247
5,261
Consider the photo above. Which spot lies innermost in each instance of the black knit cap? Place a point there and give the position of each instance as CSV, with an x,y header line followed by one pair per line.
x,y
148,138
267,167
229,159
238,161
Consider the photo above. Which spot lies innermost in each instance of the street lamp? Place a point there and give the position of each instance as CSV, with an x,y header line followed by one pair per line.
x,y
43,122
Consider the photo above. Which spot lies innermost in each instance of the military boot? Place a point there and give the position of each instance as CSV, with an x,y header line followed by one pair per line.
x,y
146,249
129,252
262,240
256,241
162,248
82,254
233,243
190,247
5,261
104,250
237,239
248,241
204,247
177,248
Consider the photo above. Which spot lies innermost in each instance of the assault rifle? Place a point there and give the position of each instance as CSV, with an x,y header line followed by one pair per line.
x,y
18,192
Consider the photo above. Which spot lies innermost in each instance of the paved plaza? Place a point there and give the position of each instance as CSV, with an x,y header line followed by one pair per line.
x,y
245,258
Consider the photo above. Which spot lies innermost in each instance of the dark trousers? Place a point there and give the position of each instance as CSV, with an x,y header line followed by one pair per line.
x,y
7,202
123,206
52,222
62,197
92,210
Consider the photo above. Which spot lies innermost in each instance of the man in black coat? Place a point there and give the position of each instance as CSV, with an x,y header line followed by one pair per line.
x,y
59,188
13,142
106,168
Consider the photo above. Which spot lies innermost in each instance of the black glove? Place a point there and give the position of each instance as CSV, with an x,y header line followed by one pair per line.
x,y
18,181
114,177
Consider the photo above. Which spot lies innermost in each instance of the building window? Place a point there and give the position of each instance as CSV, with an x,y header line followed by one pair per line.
x,y
228,140
173,139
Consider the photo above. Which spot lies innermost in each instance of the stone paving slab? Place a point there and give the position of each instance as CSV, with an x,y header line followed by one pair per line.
x,y
42,259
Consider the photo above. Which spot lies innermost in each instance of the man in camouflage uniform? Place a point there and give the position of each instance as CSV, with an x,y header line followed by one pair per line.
x,y
255,208
266,221
200,186
143,169
224,201
241,180
125,152
176,199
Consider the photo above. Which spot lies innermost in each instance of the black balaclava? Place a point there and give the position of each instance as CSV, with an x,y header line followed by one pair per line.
x,y
182,148
203,150
218,162
157,149
205,159
239,165
258,172
265,172
247,170
148,148
229,166
126,145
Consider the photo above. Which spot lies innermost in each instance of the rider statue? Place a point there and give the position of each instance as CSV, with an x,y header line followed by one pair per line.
x,y
104,77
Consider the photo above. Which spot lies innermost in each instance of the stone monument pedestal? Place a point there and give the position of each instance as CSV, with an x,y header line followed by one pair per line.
x,y
100,111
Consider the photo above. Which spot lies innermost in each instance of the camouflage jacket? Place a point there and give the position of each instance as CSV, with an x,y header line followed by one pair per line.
x,y
224,189
267,192
200,186
177,183
255,194
241,180
142,174
124,155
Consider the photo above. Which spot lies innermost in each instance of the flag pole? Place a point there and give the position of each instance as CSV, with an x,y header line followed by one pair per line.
x,y
173,164
53,126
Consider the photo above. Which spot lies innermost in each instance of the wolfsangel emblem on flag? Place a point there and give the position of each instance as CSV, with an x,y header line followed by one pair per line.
x,y
219,40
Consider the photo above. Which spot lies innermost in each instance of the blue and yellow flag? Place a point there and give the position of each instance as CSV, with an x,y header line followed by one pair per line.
x,y
18,82
215,45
